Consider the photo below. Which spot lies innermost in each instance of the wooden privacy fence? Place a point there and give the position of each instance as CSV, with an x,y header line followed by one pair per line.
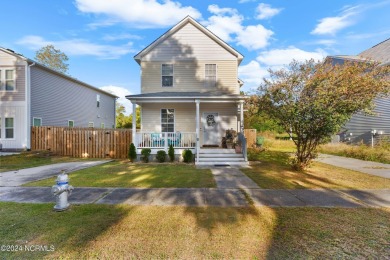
x,y
250,135
82,142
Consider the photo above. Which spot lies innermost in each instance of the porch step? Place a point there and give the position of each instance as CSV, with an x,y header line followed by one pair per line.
x,y
209,151
238,164
221,159
220,155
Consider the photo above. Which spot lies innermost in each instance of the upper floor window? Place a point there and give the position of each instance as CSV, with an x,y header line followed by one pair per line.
x,y
167,75
210,75
98,100
70,123
7,80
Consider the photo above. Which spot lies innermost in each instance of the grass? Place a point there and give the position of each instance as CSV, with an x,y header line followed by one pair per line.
x,y
32,159
274,172
125,174
117,231
380,153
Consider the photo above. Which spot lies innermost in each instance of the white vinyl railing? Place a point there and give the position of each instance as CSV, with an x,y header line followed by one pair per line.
x,y
164,140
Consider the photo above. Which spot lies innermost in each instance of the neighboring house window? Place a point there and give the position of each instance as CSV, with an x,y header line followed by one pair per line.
x,y
167,75
168,120
0,127
210,75
102,125
98,100
37,121
70,123
7,80
9,128
90,124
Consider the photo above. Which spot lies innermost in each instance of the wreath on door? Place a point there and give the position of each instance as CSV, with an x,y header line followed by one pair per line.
x,y
210,120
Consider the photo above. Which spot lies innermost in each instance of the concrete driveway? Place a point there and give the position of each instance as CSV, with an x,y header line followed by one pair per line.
x,y
20,177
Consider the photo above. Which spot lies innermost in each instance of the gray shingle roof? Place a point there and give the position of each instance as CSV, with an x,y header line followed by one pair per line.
x,y
379,52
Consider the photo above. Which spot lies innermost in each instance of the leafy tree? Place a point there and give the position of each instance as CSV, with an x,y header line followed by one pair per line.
x,y
123,121
52,58
316,99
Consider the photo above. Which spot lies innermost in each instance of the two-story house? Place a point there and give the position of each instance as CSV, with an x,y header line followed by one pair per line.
x,y
34,95
190,94
362,127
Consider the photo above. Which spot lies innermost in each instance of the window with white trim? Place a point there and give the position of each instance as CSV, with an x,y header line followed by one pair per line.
x,y
210,75
9,128
70,123
98,100
0,128
102,125
7,80
167,75
90,124
37,121
167,120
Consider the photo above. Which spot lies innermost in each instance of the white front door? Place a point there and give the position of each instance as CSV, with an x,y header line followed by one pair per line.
x,y
211,135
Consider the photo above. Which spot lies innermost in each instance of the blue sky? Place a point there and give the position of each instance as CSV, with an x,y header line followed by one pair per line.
x,y
101,37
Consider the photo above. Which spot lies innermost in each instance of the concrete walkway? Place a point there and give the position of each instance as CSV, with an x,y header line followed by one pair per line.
x,y
232,178
373,168
205,197
20,177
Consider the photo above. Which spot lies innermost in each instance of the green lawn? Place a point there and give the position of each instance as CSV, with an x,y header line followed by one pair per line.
x,y
33,159
117,231
274,172
125,174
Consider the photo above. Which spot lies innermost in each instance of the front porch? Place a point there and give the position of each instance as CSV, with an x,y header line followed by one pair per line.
x,y
188,121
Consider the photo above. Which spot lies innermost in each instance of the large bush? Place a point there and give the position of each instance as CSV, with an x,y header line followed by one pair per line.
x,y
187,156
132,155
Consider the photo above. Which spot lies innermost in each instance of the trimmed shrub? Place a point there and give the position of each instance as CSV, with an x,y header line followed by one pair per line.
x,y
132,155
171,153
145,154
161,155
187,156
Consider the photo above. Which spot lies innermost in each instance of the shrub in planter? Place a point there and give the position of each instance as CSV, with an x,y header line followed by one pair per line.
x,y
187,156
132,155
161,155
171,153
145,154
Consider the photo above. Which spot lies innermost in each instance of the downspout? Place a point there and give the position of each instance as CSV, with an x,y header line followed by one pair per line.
x,y
28,104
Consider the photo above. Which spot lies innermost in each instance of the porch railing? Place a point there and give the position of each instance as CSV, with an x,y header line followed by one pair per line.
x,y
164,140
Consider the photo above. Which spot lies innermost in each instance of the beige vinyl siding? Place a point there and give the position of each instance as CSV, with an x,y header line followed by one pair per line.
x,y
185,116
188,43
189,76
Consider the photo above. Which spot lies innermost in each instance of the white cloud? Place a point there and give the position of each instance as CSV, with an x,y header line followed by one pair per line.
x,y
121,93
331,25
254,37
227,24
246,1
78,47
123,36
281,57
139,13
265,11
252,74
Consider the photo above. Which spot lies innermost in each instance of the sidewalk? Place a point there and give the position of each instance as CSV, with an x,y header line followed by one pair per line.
x,y
206,197
373,168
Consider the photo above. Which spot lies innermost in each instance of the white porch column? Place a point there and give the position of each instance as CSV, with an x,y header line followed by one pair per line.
x,y
197,102
134,125
242,116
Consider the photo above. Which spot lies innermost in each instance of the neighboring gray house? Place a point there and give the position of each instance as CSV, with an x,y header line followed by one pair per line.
x,y
33,95
360,127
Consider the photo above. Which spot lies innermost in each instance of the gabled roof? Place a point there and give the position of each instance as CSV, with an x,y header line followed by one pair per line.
x,y
29,61
379,52
180,25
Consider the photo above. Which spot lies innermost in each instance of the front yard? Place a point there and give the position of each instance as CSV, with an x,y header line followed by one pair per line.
x,y
126,175
112,232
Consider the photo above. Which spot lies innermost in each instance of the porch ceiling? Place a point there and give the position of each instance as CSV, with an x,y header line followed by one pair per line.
x,y
184,97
